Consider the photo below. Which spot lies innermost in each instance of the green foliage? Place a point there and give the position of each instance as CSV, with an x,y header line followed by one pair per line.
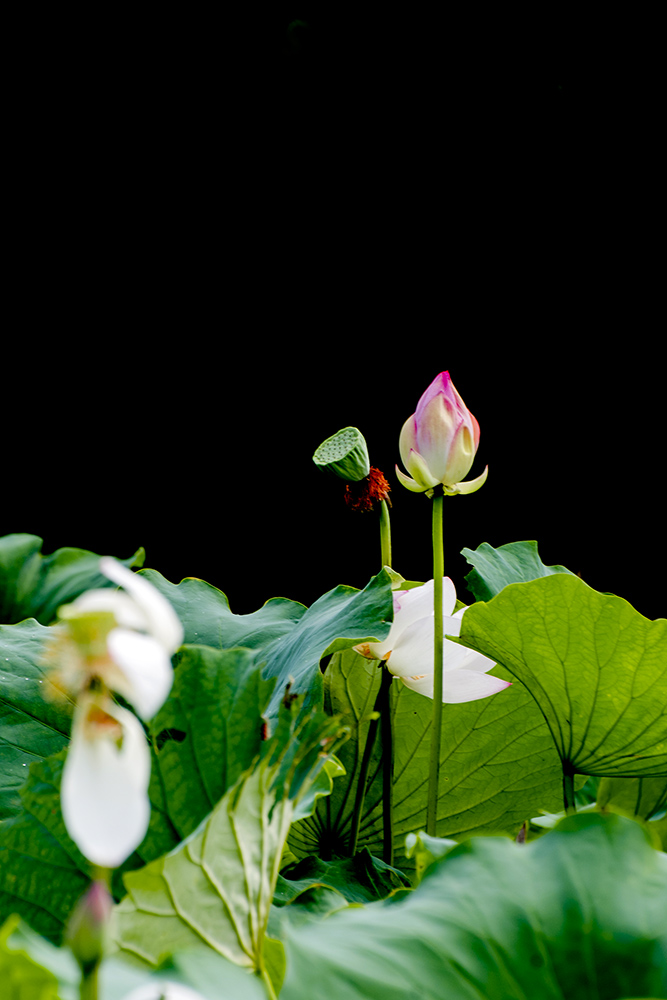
x,y
494,920
31,726
594,665
243,765
208,731
217,886
498,765
42,873
207,619
292,639
360,879
34,586
22,978
494,569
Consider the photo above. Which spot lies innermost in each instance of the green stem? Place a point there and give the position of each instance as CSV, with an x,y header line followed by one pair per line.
x,y
438,662
88,985
385,533
568,789
268,985
363,771
387,768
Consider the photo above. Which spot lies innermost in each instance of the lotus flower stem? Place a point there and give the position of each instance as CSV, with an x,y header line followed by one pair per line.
x,y
384,705
438,654
89,983
360,794
385,533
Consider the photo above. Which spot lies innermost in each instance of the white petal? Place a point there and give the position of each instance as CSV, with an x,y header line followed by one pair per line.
x,y
418,602
163,621
470,685
104,790
373,650
467,659
410,483
146,666
126,611
422,685
419,470
473,484
413,652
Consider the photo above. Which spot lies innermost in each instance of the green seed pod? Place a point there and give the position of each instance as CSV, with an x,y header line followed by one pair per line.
x,y
345,454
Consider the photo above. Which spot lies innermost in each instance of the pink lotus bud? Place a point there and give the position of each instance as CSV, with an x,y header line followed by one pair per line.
x,y
439,441
87,927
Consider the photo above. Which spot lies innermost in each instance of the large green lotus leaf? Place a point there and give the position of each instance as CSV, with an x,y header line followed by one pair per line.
x,y
498,765
207,620
214,977
208,731
359,879
34,586
42,873
595,666
494,569
641,797
340,619
23,978
60,962
292,639
217,886
31,726
496,920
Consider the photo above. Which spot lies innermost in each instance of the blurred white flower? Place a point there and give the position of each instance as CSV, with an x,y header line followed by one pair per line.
x,y
124,639
104,789
112,641
408,649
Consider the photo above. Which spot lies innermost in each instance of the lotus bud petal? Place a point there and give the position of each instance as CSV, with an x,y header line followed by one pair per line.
x,y
87,926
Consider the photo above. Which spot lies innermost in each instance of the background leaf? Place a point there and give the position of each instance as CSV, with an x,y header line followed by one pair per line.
x,y
42,873
34,586
31,726
207,619
217,700
21,976
360,879
292,639
641,797
208,731
498,765
218,885
494,569
341,618
494,920
595,666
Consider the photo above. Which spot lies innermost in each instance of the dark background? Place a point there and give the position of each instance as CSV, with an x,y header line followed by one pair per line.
x,y
229,239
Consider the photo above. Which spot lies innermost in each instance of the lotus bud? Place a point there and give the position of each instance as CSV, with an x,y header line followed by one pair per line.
x,y
439,441
87,927
345,454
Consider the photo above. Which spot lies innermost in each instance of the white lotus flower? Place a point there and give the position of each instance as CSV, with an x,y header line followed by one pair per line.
x,y
408,649
104,789
125,639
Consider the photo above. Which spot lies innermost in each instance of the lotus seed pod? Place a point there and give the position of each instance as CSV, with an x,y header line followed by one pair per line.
x,y
345,454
